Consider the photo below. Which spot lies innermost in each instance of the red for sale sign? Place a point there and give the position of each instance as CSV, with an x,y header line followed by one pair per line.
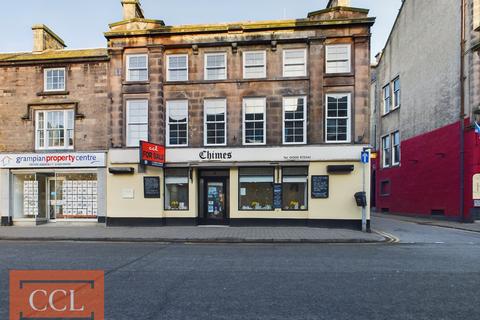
x,y
152,154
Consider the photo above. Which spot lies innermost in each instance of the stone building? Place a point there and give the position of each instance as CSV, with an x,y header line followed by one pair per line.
x,y
263,122
426,103
54,132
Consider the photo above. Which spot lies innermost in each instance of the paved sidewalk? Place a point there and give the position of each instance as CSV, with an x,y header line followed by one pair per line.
x,y
190,234
474,227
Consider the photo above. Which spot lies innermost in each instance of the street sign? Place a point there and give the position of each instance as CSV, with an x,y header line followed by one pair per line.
x,y
477,128
365,158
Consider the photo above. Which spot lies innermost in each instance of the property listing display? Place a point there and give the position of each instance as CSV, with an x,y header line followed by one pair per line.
x,y
30,198
79,198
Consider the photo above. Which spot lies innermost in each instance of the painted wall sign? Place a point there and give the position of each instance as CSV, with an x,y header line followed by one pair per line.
x,y
151,187
320,187
152,154
53,160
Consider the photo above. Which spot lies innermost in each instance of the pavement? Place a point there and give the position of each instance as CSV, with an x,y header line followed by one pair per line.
x,y
190,234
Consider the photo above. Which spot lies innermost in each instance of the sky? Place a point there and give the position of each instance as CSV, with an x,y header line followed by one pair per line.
x,y
81,23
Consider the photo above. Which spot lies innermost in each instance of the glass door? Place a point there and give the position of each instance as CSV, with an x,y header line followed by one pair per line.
x,y
55,200
42,182
215,201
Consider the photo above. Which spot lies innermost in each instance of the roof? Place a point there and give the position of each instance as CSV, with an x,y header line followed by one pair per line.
x,y
80,54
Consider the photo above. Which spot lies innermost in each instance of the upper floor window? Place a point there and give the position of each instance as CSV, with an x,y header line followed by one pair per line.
x,y
294,120
137,67
215,126
54,129
295,63
54,79
137,122
338,118
387,99
254,124
254,64
216,66
177,69
396,148
396,93
177,123
476,15
386,151
338,58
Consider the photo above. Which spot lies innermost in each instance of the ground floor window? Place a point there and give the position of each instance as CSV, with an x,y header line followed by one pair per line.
x,y
55,195
256,188
295,188
176,189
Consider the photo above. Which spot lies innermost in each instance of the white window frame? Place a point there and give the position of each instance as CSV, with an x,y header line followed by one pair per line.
x,y
327,60
349,116
128,56
45,71
264,74
393,153
476,15
206,66
168,124
205,137
304,120
395,103
264,122
127,112
45,131
168,66
384,164
384,103
304,62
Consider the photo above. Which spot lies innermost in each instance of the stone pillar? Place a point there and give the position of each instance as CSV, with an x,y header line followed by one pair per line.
x,y
156,106
116,98
360,99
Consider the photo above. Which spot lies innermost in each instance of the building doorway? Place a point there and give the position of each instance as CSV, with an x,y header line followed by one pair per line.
x,y
214,197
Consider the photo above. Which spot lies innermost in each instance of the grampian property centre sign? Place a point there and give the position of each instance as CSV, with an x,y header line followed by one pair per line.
x,y
53,160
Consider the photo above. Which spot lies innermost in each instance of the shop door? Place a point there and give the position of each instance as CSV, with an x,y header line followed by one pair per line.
x,y
55,199
215,201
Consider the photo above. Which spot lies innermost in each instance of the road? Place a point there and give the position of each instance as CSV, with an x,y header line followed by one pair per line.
x,y
433,273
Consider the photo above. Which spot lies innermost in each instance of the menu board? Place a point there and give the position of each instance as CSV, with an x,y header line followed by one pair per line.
x,y
151,187
80,198
277,195
320,186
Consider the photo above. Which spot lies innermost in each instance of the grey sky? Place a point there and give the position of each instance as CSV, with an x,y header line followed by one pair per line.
x,y
81,23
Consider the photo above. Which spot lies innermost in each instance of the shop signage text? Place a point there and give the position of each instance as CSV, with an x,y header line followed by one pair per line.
x,y
152,154
52,160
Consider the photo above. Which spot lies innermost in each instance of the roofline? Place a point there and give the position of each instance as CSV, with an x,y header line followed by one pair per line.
x,y
391,32
240,26
351,9
43,60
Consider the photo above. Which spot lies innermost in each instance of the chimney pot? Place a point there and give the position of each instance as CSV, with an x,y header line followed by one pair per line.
x,y
132,9
338,3
45,39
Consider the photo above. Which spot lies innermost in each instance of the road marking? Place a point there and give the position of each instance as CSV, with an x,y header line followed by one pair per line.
x,y
391,238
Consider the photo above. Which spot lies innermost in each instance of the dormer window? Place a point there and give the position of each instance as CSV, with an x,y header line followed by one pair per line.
x,y
54,79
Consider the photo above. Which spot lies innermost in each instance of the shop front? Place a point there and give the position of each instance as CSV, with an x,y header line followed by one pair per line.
x,y
53,187
308,185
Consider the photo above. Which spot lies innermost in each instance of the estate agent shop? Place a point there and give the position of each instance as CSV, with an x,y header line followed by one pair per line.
x,y
307,185
52,187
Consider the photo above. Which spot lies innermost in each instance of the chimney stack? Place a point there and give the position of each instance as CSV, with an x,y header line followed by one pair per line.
x,y
46,39
132,9
338,3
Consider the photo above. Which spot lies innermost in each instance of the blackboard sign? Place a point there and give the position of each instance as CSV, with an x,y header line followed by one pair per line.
x,y
151,187
320,186
277,196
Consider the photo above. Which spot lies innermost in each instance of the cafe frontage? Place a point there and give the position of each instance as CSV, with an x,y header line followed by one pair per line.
x,y
41,188
307,185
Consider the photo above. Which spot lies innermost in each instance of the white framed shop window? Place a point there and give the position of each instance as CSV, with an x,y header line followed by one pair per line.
x,y
176,189
216,66
54,129
177,67
256,189
215,122
177,123
254,64
338,58
54,79
137,122
337,119
254,121
295,63
295,120
137,67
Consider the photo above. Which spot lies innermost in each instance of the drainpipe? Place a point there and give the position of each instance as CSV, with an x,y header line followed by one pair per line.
x,y
462,113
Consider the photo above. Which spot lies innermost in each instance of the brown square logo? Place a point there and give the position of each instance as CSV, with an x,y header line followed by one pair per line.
x,y
56,294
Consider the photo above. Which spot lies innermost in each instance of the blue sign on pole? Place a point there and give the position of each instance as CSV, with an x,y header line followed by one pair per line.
x,y
365,157
477,128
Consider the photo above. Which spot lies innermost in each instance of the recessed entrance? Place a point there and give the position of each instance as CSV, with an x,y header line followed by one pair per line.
x,y
214,197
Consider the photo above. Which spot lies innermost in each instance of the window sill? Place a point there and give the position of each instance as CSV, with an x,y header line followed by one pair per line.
x,y
391,111
177,210
343,74
53,93
132,83
53,150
